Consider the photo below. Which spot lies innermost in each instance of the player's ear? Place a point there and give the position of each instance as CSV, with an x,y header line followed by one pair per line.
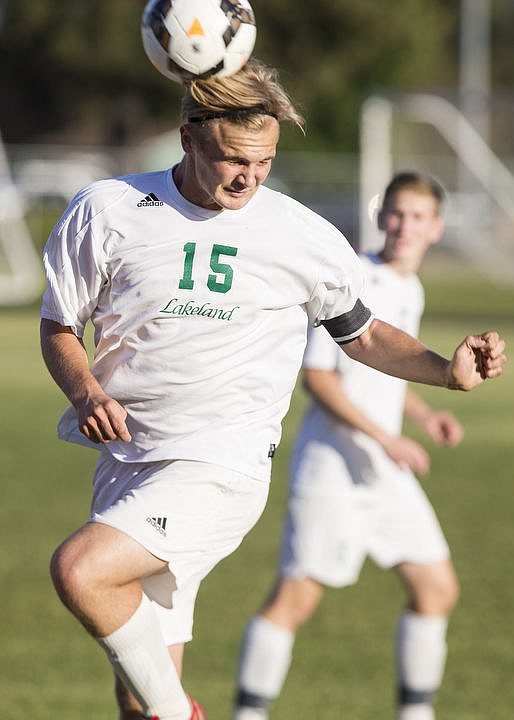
x,y
186,139
381,220
437,229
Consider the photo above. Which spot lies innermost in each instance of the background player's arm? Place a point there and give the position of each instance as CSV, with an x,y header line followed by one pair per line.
x,y
325,387
441,426
396,353
100,417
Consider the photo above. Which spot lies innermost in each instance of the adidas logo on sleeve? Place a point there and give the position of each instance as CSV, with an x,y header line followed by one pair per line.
x,y
150,200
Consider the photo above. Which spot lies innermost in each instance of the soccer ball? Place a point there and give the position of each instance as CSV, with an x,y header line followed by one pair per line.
x,y
187,39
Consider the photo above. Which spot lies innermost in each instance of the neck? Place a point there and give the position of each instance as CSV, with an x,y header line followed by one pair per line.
x,y
402,267
178,175
183,177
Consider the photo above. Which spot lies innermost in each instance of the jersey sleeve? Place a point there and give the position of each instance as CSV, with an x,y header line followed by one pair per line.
x,y
321,352
75,264
336,301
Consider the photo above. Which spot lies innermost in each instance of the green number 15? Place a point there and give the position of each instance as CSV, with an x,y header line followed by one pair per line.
x,y
214,282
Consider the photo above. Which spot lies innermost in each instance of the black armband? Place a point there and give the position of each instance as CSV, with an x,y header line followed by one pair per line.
x,y
350,325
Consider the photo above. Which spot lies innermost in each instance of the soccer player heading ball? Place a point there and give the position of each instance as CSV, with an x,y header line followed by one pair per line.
x,y
200,283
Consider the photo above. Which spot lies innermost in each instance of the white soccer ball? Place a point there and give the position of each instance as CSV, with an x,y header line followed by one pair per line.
x,y
186,39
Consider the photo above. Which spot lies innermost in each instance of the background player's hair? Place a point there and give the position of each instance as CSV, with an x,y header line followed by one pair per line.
x,y
247,98
410,180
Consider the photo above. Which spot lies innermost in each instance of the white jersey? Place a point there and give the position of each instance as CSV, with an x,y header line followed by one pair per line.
x,y
200,316
396,299
348,500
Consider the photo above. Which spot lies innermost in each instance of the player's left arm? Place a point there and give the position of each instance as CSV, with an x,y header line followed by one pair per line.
x,y
440,425
394,352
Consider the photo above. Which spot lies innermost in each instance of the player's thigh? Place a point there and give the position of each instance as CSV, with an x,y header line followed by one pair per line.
x,y
99,554
433,588
292,602
190,514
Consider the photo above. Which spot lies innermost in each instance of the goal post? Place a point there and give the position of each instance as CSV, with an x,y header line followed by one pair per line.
x,y
20,265
481,224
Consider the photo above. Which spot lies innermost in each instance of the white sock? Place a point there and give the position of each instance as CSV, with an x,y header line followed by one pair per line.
x,y
266,654
249,713
416,712
140,658
420,659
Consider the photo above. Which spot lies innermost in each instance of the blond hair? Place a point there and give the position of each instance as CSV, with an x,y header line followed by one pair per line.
x,y
245,98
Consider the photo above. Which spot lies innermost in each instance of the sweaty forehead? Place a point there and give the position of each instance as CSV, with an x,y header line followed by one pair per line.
x,y
243,139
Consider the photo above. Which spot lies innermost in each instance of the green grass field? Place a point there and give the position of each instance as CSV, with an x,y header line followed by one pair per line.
x,y
343,659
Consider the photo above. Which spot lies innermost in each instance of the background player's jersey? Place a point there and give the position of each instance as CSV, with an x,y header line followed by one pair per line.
x,y
200,316
396,299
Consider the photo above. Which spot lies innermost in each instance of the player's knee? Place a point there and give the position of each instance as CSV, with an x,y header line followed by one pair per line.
x,y
68,572
58,568
451,593
303,610
446,589
293,603
437,597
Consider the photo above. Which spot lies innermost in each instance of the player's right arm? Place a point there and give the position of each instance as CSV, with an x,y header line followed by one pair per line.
x,y
325,387
392,351
100,417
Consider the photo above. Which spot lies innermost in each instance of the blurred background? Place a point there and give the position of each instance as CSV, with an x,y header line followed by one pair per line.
x,y
406,84
403,84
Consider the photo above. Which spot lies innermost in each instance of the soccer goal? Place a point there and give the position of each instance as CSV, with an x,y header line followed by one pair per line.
x,y
20,265
428,133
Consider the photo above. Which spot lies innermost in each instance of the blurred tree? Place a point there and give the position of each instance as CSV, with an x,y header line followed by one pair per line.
x,y
76,71
337,51
502,44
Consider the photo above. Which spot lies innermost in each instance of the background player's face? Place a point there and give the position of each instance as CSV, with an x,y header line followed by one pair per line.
x,y
226,163
411,222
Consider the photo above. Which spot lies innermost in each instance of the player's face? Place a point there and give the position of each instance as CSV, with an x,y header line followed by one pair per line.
x,y
411,222
226,163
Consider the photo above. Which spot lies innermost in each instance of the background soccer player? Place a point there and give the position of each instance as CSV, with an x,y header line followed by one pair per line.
x,y
200,307
352,490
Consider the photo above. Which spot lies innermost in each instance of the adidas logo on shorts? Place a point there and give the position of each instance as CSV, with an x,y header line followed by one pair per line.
x,y
159,523
150,200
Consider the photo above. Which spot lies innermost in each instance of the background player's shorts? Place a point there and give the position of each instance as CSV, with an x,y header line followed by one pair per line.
x,y
336,519
191,514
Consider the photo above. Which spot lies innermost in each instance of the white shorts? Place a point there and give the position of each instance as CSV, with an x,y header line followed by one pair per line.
x,y
191,514
336,518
